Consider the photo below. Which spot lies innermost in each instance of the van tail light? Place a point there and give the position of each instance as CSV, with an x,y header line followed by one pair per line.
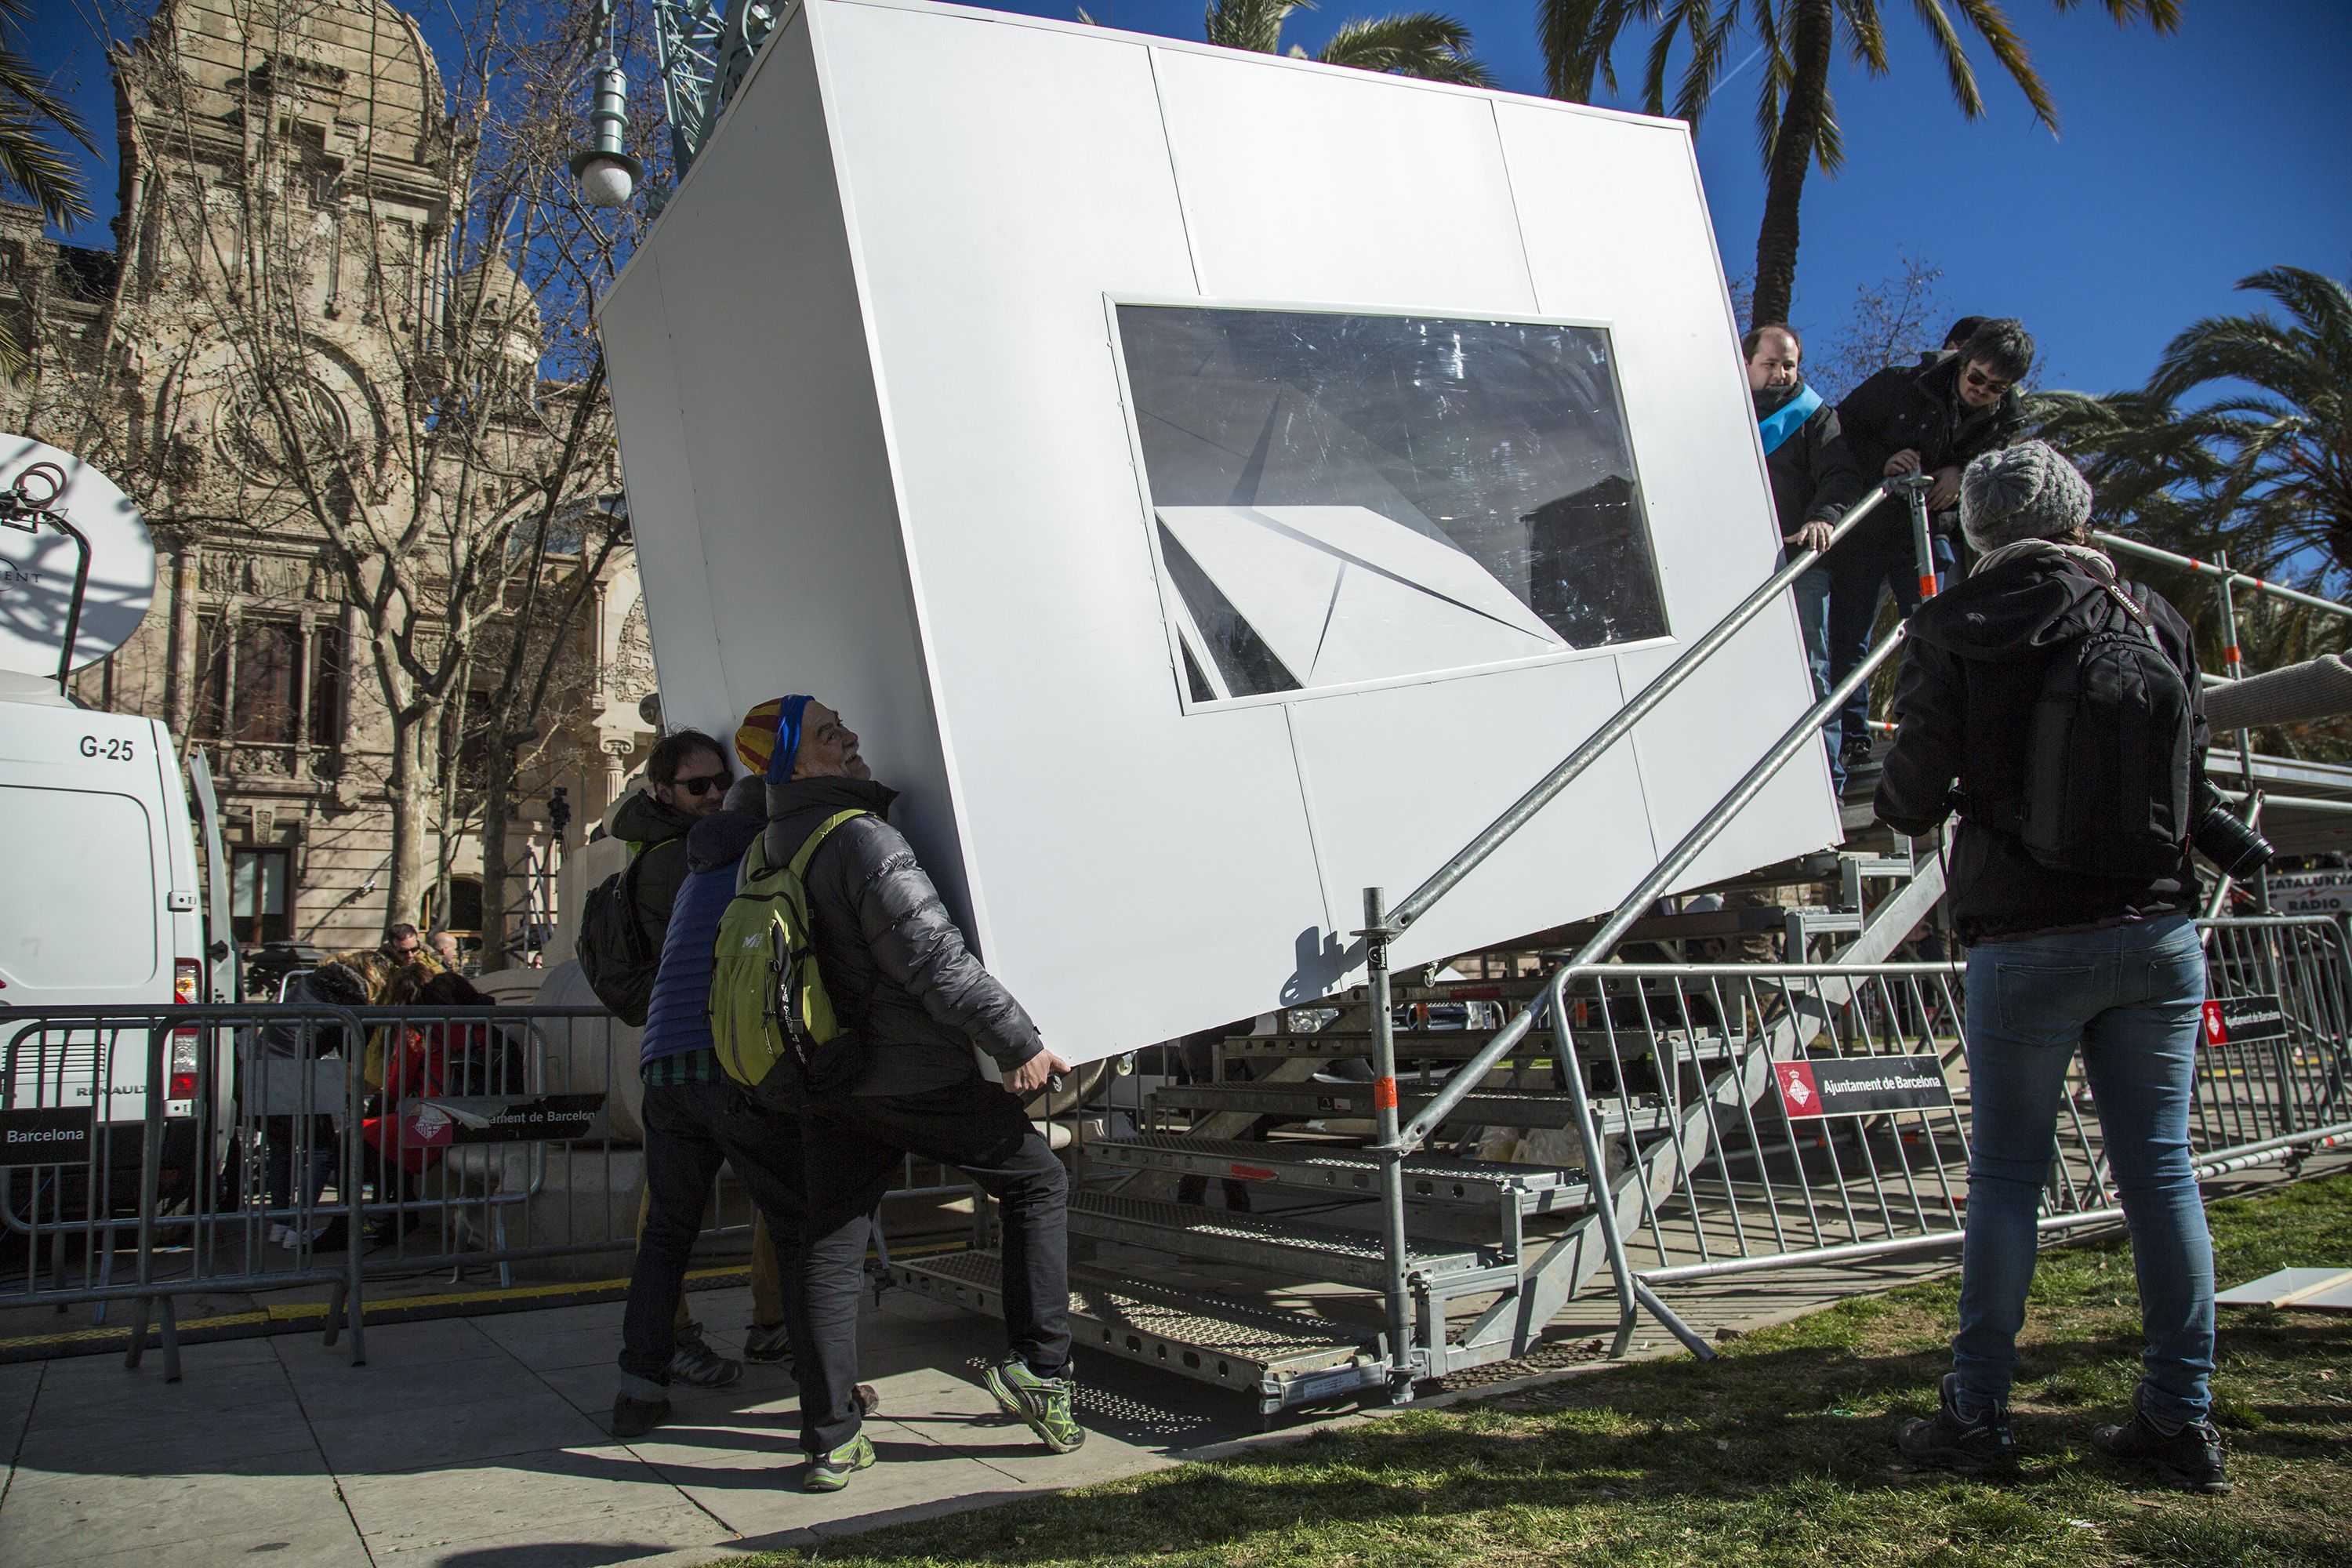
x,y
187,981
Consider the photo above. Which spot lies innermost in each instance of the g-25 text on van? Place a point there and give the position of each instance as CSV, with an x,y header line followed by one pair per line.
x,y
100,905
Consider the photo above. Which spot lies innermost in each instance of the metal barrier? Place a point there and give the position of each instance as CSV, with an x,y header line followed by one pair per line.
x,y
89,1084
1820,1114
235,1149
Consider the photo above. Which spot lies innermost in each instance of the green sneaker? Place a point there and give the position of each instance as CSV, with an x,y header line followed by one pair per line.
x,y
1042,1402
832,1472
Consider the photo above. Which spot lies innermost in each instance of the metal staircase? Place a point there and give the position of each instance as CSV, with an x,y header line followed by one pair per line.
x,y
1466,1260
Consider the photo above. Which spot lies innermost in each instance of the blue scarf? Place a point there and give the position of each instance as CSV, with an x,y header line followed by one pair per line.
x,y
787,738
1789,419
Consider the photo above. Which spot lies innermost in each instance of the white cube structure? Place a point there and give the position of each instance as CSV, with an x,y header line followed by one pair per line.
x,y
1211,483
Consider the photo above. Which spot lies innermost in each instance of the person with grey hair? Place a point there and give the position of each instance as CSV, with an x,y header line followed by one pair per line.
x,y
2072,945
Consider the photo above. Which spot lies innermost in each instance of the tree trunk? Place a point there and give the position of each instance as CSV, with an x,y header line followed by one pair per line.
x,y
411,792
1811,38
498,791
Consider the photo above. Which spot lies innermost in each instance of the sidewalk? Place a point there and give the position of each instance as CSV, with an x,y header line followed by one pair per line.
x,y
480,1442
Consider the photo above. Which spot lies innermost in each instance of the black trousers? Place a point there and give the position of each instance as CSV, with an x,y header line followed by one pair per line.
x,y
690,1129
852,1145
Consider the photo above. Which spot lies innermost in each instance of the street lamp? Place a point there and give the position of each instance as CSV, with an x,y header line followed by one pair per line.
x,y
608,176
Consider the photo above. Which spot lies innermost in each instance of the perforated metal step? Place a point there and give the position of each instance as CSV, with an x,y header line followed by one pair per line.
x,y
1538,1189
1481,1107
1257,1241
1285,1359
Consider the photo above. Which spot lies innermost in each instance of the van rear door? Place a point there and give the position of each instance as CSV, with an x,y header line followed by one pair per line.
x,y
90,806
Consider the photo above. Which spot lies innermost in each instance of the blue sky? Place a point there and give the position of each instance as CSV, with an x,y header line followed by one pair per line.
x,y
2185,162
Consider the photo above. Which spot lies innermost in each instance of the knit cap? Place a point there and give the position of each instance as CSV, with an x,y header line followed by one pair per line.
x,y
770,737
2028,492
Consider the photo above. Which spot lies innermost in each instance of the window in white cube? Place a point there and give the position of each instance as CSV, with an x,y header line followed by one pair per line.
x,y
1351,498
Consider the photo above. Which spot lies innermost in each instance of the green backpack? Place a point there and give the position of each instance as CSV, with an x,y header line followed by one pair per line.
x,y
768,1001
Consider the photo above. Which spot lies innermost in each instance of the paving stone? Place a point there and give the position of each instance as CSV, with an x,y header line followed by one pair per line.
x,y
391,1345
553,1494
457,1432
120,1395
329,1395
51,1517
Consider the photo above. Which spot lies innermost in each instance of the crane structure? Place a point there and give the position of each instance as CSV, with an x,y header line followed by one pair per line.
x,y
702,48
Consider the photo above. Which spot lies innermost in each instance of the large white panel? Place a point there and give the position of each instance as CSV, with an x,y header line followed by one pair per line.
x,y
1403,778
776,487
649,406
1621,220
1001,180
1344,186
875,436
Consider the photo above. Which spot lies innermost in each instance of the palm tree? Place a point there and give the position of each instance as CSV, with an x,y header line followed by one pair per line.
x,y
2261,470
28,163
1796,117
2283,424
1418,43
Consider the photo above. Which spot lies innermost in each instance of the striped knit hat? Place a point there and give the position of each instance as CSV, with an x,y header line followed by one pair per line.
x,y
769,739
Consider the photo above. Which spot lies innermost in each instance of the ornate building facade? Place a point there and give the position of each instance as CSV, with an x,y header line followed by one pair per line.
x,y
254,649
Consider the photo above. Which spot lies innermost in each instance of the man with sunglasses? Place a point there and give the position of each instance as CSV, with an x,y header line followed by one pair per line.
x,y
686,783
1927,419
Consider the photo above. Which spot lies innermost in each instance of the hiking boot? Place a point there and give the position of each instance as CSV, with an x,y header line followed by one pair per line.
x,y
767,1343
633,1417
2189,1460
1982,1446
695,1364
1042,1402
831,1472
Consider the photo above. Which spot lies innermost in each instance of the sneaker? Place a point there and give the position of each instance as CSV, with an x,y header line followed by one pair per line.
x,y
2189,1460
1042,1402
831,1472
695,1363
1945,1442
767,1343
633,1417
283,1235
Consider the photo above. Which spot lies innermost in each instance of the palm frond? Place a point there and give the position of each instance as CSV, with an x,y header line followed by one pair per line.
x,y
1992,24
1423,44
1865,35
1254,25
1710,44
28,162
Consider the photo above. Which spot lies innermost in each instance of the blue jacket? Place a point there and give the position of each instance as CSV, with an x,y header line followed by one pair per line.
x,y
678,1018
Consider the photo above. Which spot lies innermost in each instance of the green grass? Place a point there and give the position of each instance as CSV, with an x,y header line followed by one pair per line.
x,y
1779,1453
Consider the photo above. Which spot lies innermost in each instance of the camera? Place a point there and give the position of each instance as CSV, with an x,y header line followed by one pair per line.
x,y
2226,839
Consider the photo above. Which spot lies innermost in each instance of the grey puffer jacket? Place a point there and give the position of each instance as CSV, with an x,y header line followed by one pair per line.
x,y
894,965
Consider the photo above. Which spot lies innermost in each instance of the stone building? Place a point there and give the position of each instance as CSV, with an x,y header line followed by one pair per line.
x,y
253,649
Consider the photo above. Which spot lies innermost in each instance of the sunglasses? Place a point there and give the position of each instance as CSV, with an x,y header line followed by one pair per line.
x,y
703,786
1985,383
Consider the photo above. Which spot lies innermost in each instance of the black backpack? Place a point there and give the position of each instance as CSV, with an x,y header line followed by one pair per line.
x,y
2106,781
615,955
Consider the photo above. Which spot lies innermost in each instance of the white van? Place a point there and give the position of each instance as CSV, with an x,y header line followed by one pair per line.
x,y
102,905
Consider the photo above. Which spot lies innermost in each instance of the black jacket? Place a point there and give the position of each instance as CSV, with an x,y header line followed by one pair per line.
x,y
662,830
896,967
1963,708
1799,464
1916,407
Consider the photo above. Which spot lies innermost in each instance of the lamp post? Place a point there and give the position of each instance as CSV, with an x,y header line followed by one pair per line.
x,y
607,175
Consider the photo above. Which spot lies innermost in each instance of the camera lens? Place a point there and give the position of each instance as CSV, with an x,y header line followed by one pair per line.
x,y
2228,840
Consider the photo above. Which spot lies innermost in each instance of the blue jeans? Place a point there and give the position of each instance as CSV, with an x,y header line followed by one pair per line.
x,y
1811,593
1857,569
2130,996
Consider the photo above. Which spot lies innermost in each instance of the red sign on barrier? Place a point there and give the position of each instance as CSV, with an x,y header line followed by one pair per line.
x,y
1860,1086
2243,1020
